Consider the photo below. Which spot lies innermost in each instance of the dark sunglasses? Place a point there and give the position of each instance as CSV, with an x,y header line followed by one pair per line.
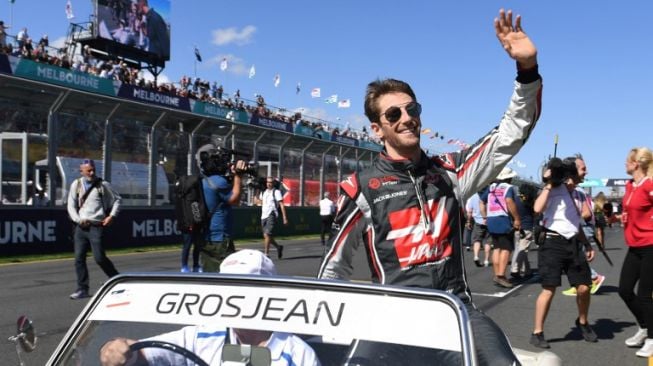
x,y
393,114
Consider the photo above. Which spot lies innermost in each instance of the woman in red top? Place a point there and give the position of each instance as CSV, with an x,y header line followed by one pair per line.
x,y
637,219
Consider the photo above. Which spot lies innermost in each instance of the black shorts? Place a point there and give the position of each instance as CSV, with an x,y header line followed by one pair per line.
x,y
480,234
559,255
503,241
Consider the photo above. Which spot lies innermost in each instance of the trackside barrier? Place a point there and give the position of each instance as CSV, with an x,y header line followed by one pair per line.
x,y
27,230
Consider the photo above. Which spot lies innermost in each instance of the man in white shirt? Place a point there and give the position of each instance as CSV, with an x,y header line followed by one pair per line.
x,y
271,204
562,210
327,209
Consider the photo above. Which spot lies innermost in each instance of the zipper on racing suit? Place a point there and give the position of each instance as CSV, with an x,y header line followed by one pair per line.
x,y
425,220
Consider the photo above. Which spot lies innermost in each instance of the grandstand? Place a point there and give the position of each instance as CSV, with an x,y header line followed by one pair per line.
x,y
55,108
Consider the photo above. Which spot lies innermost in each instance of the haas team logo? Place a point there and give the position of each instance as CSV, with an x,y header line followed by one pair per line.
x,y
419,240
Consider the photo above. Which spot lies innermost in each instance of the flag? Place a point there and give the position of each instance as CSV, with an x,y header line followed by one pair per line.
x,y
345,103
315,93
277,80
198,57
69,9
332,99
252,72
299,85
223,64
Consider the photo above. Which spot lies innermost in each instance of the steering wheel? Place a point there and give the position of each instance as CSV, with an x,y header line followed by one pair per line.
x,y
170,347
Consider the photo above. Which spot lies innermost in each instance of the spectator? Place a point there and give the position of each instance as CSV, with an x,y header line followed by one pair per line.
x,y
503,220
271,203
638,233
92,206
480,235
21,37
327,210
592,233
3,34
561,251
44,41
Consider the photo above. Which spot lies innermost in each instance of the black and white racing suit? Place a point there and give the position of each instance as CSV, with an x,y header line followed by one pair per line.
x,y
409,215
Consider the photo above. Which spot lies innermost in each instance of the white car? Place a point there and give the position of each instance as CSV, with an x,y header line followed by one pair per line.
x,y
396,326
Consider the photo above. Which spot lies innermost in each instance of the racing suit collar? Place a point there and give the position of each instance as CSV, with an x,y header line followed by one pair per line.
x,y
405,164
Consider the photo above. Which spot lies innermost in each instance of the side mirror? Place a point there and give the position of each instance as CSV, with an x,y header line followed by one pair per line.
x,y
25,335
245,355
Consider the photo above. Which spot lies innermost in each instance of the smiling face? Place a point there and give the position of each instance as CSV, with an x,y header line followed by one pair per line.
x,y
401,138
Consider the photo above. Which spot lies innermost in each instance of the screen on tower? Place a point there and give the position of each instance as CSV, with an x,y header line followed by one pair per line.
x,y
140,24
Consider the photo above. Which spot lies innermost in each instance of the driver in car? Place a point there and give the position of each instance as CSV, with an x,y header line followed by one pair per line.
x,y
207,341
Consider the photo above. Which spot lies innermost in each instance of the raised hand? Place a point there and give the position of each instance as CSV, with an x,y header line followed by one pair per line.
x,y
514,40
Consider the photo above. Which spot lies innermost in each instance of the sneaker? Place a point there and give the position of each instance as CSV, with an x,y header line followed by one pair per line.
x,y
486,263
587,331
537,340
596,284
569,292
197,269
502,281
647,349
638,339
515,275
477,262
79,294
184,269
280,251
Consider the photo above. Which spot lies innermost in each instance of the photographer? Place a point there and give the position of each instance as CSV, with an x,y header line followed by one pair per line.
x,y
562,208
222,189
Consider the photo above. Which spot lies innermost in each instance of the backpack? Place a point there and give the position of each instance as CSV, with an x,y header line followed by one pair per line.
x,y
190,208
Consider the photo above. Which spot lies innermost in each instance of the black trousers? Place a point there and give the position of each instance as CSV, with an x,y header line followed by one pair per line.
x,y
638,267
326,227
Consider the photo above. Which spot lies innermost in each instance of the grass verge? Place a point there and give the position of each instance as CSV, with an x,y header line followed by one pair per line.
x,y
143,249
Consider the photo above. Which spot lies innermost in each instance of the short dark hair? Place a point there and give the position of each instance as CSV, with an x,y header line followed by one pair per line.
x,y
378,88
88,162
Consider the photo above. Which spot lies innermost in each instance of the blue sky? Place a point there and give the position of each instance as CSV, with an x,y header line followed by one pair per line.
x,y
595,58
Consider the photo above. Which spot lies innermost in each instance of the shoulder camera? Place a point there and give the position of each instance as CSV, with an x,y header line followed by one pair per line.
x,y
561,170
218,160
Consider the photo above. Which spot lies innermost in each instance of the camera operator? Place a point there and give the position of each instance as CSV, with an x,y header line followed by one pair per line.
x,y
562,209
222,189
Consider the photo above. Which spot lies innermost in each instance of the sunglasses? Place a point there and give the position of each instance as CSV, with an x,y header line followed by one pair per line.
x,y
393,114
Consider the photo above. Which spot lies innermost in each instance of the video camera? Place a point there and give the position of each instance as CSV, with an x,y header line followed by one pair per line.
x,y
561,171
218,160
260,184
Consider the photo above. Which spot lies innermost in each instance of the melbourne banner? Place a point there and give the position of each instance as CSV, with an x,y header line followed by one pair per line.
x,y
214,110
344,140
304,130
59,76
153,97
256,120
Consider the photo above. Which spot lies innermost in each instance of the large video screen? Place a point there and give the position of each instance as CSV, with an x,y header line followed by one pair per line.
x,y
142,24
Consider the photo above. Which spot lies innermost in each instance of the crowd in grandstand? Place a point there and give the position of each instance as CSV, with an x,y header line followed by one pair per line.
x,y
198,89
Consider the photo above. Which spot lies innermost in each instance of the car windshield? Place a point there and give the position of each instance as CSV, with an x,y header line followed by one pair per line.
x,y
342,323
